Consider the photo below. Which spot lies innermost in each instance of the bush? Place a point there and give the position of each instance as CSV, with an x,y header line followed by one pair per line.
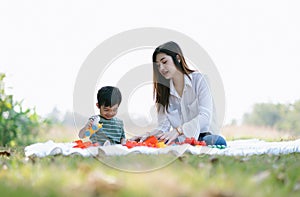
x,y
18,126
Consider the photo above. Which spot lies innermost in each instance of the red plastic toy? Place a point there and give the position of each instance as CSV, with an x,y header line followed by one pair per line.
x,y
152,141
192,141
82,145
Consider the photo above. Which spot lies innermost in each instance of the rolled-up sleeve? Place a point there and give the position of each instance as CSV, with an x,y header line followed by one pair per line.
x,y
164,124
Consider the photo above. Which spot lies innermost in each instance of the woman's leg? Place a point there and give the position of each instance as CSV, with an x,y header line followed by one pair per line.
x,y
202,135
212,139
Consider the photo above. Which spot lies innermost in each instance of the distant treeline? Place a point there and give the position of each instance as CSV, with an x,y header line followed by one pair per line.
x,y
285,117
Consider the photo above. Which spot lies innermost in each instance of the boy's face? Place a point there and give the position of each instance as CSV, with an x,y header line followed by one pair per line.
x,y
108,112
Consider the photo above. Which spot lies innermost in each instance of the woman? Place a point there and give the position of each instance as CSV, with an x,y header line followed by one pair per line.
x,y
183,99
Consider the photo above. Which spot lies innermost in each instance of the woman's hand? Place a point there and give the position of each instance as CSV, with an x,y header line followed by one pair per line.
x,y
168,137
139,138
145,136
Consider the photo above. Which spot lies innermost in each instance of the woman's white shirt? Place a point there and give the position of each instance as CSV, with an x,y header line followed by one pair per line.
x,y
192,111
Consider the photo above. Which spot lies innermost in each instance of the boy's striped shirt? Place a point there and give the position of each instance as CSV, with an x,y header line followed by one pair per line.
x,y
112,130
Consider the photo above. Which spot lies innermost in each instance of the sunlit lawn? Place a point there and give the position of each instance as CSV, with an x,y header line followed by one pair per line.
x,y
188,175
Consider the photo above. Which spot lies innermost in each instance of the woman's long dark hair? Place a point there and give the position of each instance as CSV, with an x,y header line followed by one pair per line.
x,y
161,85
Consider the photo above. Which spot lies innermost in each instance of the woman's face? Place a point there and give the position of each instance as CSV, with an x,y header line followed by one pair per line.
x,y
165,65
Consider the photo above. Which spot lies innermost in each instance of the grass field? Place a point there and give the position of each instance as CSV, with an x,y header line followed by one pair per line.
x,y
187,175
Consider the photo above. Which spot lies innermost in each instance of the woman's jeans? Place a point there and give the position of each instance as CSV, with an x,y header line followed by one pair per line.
x,y
212,139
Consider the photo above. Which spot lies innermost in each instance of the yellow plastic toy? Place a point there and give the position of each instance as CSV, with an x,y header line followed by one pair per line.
x,y
93,129
161,145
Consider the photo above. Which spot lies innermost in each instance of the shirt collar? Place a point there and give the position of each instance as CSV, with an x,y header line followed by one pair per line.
x,y
187,82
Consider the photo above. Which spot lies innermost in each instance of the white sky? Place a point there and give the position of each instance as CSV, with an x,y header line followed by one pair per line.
x,y
254,44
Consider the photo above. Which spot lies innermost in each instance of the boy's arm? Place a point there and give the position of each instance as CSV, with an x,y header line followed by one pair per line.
x,y
82,131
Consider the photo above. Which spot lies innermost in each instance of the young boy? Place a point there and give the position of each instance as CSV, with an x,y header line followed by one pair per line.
x,y
112,131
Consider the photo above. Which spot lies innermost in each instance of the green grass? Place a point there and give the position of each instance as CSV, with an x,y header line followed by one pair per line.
x,y
163,175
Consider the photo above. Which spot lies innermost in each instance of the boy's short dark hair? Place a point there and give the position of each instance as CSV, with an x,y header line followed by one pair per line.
x,y
109,96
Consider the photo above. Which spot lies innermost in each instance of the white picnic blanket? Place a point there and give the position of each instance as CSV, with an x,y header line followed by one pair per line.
x,y
234,148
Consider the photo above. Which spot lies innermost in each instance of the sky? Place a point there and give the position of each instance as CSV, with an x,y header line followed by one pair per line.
x,y
255,45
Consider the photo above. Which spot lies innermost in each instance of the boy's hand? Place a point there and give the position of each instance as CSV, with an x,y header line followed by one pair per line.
x,y
135,138
139,138
145,136
89,124
86,127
